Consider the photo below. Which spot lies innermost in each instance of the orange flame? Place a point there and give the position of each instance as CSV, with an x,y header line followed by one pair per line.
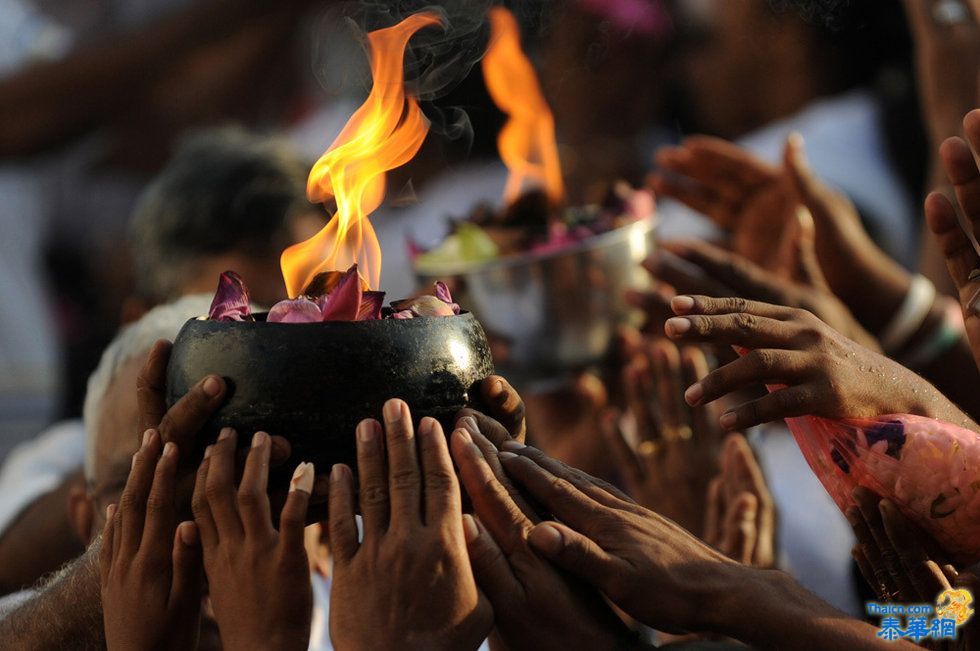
x,y
385,132
527,141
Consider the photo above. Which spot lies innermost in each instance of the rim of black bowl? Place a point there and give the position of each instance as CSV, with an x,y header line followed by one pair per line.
x,y
260,317
647,224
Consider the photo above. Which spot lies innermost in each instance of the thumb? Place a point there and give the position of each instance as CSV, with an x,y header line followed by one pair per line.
x,y
572,552
808,269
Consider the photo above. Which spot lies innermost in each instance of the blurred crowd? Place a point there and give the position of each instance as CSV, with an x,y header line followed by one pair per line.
x,y
816,168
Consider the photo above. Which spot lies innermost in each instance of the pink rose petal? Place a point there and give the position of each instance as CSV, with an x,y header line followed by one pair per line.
x,y
299,310
231,301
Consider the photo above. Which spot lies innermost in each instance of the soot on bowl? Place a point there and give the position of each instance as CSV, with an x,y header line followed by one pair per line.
x,y
312,383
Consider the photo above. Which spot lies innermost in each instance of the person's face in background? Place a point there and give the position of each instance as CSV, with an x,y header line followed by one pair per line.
x,y
116,441
740,65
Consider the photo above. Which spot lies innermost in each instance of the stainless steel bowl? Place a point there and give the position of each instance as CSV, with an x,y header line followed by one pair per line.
x,y
547,314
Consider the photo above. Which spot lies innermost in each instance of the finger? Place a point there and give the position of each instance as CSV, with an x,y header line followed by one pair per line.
x,y
728,160
623,456
188,573
220,488
497,511
373,479
749,478
573,552
669,266
961,257
905,540
203,518
342,523
714,510
640,395
443,504
404,477
106,550
738,329
506,405
741,533
151,386
495,432
292,519
599,490
490,455
161,509
253,500
690,304
667,380
182,422
558,495
961,168
704,415
490,567
694,195
742,276
780,404
868,504
758,366
880,578
132,504
857,553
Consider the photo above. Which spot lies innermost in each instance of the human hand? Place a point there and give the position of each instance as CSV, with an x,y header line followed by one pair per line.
x,y
151,571
409,582
183,422
258,578
756,202
822,372
677,447
534,605
958,249
741,516
505,411
648,566
742,194
745,279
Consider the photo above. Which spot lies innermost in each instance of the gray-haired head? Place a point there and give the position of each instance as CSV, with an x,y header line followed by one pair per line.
x,y
132,342
224,191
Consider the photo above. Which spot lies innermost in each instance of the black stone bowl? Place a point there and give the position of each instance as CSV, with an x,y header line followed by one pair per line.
x,y
312,383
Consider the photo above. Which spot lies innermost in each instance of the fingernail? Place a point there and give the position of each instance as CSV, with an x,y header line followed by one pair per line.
x,y
169,449
469,423
512,444
694,394
427,425
496,389
146,437
226,432
365,431
188,533
211,386
974,304
677,326
470,531
547,538
207,451
506,455
727,419
392,410
302,478
337,472
259,439
681,304
463,434
133,463
110,511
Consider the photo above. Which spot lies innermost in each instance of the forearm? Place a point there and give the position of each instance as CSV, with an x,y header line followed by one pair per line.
x,y
783,615
65,613
50,102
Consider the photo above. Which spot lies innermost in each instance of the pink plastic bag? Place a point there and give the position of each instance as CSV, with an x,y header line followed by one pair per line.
x,y
930,469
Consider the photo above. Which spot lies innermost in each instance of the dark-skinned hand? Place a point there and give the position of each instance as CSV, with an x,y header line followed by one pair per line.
x,y
817,370
258,577
408,582
151,571
534,605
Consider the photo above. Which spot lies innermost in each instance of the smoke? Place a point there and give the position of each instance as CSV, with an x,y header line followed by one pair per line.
x,y
436,61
